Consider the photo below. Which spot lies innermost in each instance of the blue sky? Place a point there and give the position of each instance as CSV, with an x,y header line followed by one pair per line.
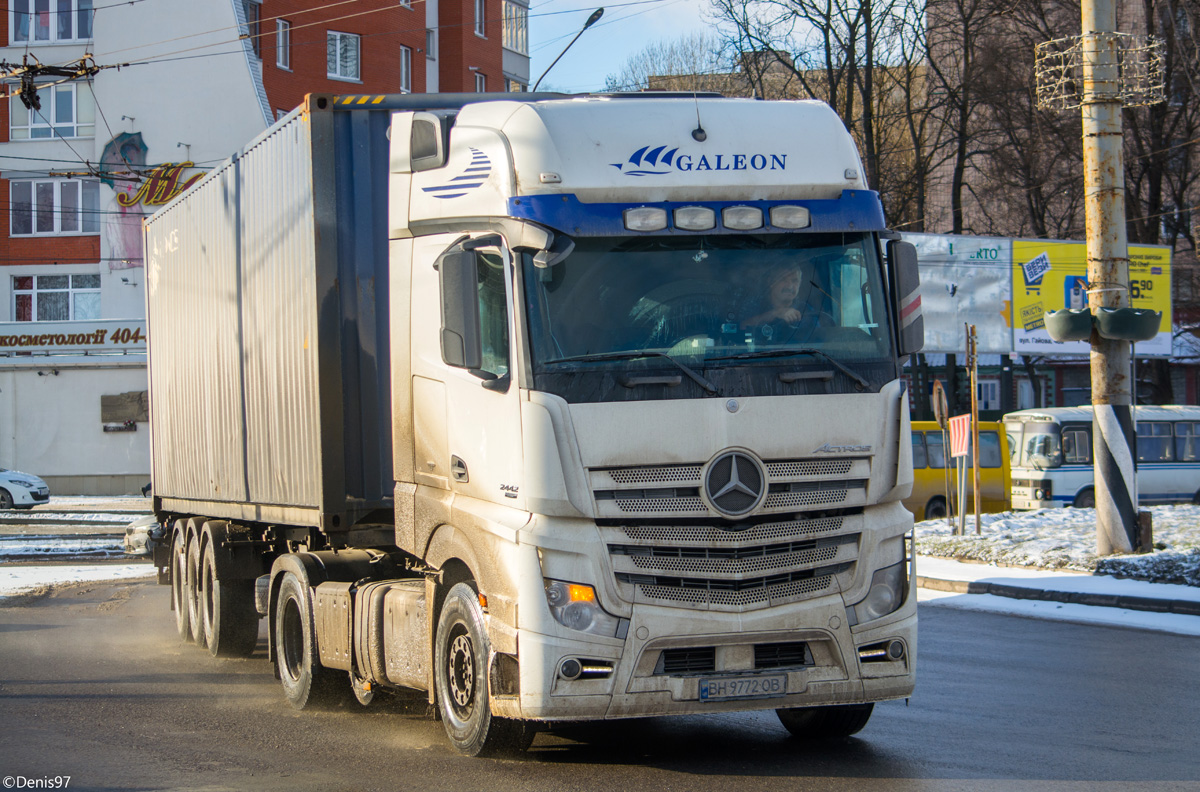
x,y
624,30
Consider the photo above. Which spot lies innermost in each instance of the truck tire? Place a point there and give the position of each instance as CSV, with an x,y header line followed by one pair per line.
x,y
825,723
306,683
936,508
461,681
1086,499
179,602
192,586
228,615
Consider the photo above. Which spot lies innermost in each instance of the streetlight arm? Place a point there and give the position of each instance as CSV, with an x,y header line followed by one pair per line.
x,y
595,17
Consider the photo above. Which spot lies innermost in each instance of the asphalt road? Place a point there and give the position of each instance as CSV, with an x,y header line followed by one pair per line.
x,y
94,685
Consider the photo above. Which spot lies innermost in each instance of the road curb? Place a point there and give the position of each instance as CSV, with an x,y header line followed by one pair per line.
x,y
1149,604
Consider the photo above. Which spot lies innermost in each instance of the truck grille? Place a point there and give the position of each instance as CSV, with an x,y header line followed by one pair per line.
x,y
711,567
782,655
687,661
673,491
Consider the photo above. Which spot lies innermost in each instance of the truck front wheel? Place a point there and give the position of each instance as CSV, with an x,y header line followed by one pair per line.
x,y
825,723
306,683
460,676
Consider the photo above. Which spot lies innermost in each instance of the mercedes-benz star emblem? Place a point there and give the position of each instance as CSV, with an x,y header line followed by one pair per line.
x,y
735,483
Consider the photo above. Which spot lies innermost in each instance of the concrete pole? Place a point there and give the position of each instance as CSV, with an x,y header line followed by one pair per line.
x,y
1108,280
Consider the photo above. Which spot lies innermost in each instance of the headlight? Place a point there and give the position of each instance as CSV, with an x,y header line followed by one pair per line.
x,y
888,589
574,605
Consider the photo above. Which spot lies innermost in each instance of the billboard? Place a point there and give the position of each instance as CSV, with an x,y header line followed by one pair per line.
x,y
1005,287
1049,275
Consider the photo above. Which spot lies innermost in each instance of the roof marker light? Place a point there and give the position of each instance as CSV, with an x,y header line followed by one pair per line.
x,y
742,218
790,217
695,218
646,218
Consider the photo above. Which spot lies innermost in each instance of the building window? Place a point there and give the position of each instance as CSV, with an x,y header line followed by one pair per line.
x,y
54,206
51,20
67,111
341,55
480,83
56,298
431,43
406,3
283,44
516,27
515,86
405,70
252,27
480,17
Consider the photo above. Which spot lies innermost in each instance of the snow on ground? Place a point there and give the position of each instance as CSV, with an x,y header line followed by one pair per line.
x,y
1176,623
21,579
1066,539
17,547
35,517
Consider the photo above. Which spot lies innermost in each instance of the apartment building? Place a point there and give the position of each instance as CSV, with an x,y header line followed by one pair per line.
x,y
112,109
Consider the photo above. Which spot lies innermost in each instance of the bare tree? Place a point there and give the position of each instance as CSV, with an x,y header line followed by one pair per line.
x,y
694,61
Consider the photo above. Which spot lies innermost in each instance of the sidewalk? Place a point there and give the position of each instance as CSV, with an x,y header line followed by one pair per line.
x,y
1023,583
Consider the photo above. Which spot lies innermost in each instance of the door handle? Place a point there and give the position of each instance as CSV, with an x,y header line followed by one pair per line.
x,y
458,469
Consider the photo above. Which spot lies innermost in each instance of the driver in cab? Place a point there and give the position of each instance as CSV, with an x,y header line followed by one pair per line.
x,y
782,317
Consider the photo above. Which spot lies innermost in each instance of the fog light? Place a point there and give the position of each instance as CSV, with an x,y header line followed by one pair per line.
x,y
742,218
895,650
570,669
790,217
646,218
695,218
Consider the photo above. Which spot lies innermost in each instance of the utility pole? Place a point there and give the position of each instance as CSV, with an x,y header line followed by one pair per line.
x,y
1100,72
973,368
1108,279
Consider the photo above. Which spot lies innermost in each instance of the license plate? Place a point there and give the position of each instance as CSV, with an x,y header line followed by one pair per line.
x,y
745,686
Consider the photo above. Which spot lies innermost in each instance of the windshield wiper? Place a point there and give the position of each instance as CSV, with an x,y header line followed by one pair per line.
x,y
778,353
635,354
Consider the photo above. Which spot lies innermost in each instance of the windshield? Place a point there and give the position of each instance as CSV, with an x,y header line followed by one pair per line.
x,y
1035,445
810,304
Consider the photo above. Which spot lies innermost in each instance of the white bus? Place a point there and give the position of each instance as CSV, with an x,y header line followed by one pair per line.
x,y
1052,463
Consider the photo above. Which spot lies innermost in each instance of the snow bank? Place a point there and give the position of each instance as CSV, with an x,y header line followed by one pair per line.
x,y
1066,539
21,579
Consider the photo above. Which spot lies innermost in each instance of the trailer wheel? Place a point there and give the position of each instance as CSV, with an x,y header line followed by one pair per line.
x,y
825,723
1086,499
306,683
461,680
179,590
230,621
192,587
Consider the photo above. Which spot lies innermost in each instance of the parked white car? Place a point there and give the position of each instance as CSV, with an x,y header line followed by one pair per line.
x,y
21,491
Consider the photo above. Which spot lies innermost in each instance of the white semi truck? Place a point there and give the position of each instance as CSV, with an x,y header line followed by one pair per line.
x,y
557,408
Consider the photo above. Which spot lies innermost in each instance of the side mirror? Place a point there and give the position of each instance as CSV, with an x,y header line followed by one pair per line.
x,y
458,274
906,291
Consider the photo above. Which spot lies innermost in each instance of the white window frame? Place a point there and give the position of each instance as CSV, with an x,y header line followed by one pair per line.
x,y
83,221
42,125
405,69
481,18
480,82
78,10
283,44
516,27
336,38
72,292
